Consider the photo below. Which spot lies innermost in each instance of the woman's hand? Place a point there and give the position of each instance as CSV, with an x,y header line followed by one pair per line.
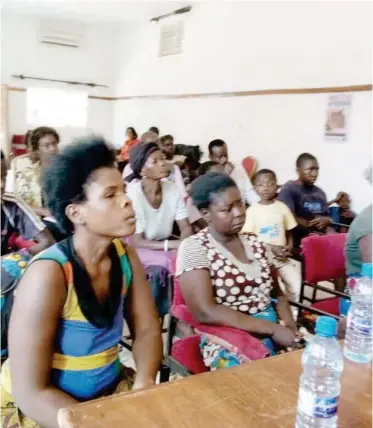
x,y
174,244
43,212
284,336
340,195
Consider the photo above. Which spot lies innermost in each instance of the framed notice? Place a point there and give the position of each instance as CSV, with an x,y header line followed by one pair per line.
x,y
337,117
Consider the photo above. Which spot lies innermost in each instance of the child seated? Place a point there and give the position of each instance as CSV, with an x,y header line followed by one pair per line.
x,y
272,221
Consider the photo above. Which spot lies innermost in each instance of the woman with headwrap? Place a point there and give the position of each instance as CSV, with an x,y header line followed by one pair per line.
x,y
157,203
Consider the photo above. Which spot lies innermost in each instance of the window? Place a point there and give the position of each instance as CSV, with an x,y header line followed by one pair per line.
x,y
57,108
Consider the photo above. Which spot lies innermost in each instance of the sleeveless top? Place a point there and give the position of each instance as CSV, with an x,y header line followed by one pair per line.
x,y
242,287
86,363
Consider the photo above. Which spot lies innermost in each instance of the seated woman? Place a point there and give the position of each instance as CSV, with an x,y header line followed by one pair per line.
x,y
158,204
227,278
19,221
359,239
67,318
28,169
132,140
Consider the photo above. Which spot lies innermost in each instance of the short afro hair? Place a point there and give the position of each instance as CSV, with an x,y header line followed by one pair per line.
x,y
37,134
263,172
64,180
303,158
216,143
212,183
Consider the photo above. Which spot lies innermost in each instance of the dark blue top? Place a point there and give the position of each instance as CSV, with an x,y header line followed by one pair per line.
x,y
307,202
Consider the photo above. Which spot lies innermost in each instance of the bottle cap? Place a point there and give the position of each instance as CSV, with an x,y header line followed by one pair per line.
x,y
326,326
366,270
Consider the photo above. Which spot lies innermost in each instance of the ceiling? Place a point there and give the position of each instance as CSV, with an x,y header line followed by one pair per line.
x,y
106,11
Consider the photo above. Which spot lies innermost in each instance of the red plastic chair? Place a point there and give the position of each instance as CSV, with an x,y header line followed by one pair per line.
x,y
183,356
18,145
323,259
16,241
250,165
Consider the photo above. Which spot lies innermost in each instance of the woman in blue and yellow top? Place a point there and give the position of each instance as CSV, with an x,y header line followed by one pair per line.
x,y
67,317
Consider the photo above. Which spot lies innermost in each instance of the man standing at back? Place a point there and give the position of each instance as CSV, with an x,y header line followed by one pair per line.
x,y
218,152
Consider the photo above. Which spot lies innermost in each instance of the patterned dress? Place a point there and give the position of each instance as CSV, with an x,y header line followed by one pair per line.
x,y
240,286
27,180
243,287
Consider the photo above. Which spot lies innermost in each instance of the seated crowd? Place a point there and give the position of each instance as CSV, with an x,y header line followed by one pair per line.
x,y
102,228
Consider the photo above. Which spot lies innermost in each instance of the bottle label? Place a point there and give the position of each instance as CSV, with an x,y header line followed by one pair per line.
x,y
319,407
326,407
359,325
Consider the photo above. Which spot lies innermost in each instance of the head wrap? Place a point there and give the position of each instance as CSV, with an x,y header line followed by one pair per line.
x,y
138,157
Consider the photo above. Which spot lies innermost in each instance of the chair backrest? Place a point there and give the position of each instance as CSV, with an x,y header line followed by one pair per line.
x,y
177,296
250,165
323,257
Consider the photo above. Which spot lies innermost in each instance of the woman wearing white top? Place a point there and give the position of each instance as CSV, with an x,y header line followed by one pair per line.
x,y
157,203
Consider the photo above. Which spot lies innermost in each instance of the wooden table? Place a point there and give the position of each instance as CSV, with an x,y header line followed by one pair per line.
x,y
262,394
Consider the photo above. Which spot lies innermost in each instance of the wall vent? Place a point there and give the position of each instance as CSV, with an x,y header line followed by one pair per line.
x,y
60,34
171,39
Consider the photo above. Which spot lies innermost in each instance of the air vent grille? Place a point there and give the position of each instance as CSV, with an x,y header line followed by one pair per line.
x,y
61,34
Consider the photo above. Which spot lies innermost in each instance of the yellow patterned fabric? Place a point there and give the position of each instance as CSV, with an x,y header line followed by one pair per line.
x,y
12,417
27,180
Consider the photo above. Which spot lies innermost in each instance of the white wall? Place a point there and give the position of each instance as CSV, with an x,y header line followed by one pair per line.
x,y
95,61
257,45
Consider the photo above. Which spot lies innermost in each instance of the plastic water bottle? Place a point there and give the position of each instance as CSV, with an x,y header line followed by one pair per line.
x,y
319,386
358,341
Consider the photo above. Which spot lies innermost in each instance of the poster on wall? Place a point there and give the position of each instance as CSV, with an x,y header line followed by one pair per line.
x,y
337,117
